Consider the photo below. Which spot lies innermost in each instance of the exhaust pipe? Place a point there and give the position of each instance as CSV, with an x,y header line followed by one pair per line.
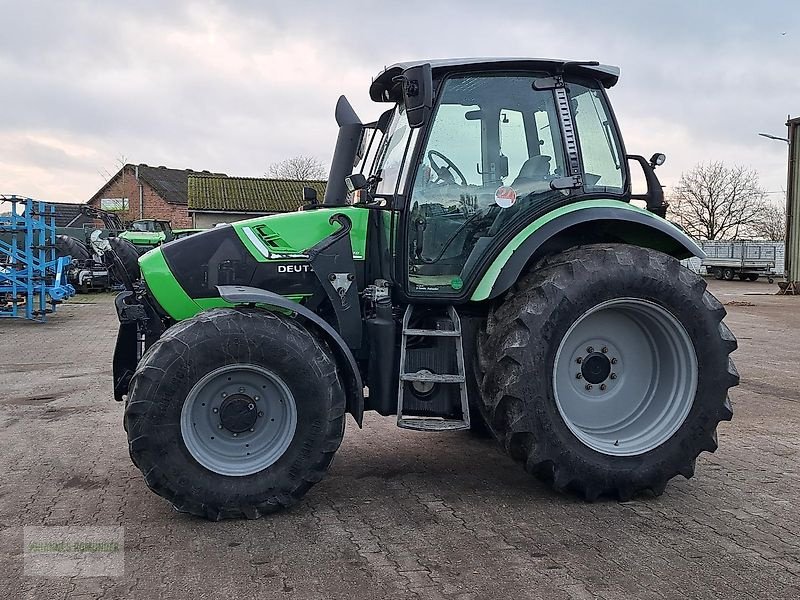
x,y
344,154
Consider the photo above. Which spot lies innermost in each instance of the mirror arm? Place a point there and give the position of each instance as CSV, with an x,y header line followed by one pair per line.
x,y
654,198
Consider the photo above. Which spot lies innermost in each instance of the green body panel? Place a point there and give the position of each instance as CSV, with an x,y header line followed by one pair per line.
x,y
171,296
143,238
286,234
484,288
279,237
164,288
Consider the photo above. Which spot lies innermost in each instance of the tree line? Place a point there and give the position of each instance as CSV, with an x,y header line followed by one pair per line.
x,y
715,202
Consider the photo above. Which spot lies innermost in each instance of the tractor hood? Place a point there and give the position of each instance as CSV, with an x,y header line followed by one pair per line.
x,y
267,252
143,238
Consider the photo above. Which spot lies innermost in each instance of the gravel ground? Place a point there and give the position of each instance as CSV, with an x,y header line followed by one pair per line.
x,y
402,514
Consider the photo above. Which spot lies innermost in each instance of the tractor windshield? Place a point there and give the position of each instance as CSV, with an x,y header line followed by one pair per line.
x,y
143,226
492,150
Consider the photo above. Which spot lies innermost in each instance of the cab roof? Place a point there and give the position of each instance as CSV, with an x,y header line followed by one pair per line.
x,y
382,85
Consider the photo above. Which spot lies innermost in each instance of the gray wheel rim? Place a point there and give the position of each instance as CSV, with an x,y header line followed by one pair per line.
x,y
625,376
238,420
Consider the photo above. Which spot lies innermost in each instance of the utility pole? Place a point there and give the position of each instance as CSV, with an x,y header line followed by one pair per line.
x,y
793,211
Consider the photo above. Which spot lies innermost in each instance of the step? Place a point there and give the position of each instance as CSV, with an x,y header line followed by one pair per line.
x,y
432,377
431,424
432,332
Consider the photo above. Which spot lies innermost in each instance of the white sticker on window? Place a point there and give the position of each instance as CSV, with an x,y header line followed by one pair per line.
x,y
505,196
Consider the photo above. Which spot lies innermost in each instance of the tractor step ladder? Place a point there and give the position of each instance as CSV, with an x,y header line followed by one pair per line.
x,y
423,375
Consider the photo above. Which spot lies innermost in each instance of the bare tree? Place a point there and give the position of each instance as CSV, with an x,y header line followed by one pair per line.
x,y
772,223
715,202
298,167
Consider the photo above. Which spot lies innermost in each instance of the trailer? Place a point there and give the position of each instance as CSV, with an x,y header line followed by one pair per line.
x,y
740,259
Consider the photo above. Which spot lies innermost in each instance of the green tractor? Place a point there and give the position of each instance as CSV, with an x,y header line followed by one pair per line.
x,y
146,234
476,263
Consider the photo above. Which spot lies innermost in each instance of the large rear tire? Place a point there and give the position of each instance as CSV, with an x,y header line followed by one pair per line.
x,y
606,370
69,246
235,413
128,256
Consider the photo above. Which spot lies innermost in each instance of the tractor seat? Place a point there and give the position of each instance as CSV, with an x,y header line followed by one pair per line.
x,y
533,170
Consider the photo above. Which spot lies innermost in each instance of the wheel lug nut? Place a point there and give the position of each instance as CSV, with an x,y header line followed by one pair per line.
x,y
590,349
604,350
579,360
219,426
603,386
241,390
216,410
224,394
588,386
261,413
251,429
613,361
235,435
256,398
613,376
578,376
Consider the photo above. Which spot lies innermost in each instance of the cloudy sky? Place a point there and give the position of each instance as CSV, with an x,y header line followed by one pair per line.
x,y
235,86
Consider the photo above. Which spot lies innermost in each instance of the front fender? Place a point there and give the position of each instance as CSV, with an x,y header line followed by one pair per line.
x,y
589,221
239,294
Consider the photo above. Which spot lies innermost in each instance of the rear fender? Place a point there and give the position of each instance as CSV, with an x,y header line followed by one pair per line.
x,y
237,294
583,225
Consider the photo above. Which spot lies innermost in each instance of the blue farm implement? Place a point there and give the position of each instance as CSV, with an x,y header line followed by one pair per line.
x,y
32,277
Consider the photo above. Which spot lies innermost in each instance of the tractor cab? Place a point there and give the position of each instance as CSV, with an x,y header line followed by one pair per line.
x,y
147,234
151,226
474,151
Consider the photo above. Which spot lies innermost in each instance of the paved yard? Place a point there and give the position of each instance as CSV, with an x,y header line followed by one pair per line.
x,y
405,514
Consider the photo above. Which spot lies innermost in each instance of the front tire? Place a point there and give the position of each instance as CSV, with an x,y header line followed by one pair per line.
x,y
606,370
235,413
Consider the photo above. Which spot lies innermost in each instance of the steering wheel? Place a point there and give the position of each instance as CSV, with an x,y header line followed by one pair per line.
x,y
443,173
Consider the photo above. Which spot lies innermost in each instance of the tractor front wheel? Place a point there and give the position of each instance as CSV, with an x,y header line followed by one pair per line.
x,y
235,413
606,370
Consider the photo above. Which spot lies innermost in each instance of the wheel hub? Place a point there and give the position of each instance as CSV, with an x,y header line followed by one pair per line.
x,y
238,413
596,368
238,419
625,376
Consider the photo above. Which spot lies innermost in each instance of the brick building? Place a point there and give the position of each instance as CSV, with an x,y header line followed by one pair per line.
x,y
145,192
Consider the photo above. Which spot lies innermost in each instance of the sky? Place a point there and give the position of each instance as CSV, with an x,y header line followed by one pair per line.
x,y
235,86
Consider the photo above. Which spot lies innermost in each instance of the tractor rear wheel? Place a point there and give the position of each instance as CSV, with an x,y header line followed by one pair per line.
x,y
235,413
69,246
128,256
590,370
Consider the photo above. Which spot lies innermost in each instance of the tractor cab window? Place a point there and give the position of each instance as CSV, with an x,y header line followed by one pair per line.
x,y
148,226
493,147
391,155
600,149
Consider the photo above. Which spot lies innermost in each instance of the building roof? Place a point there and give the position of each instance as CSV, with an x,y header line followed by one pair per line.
x,y
69,215
382,85
248,194
170,184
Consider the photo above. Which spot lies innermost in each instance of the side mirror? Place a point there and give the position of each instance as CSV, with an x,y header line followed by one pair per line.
x,y
417,94
658,159
356,181
310,195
